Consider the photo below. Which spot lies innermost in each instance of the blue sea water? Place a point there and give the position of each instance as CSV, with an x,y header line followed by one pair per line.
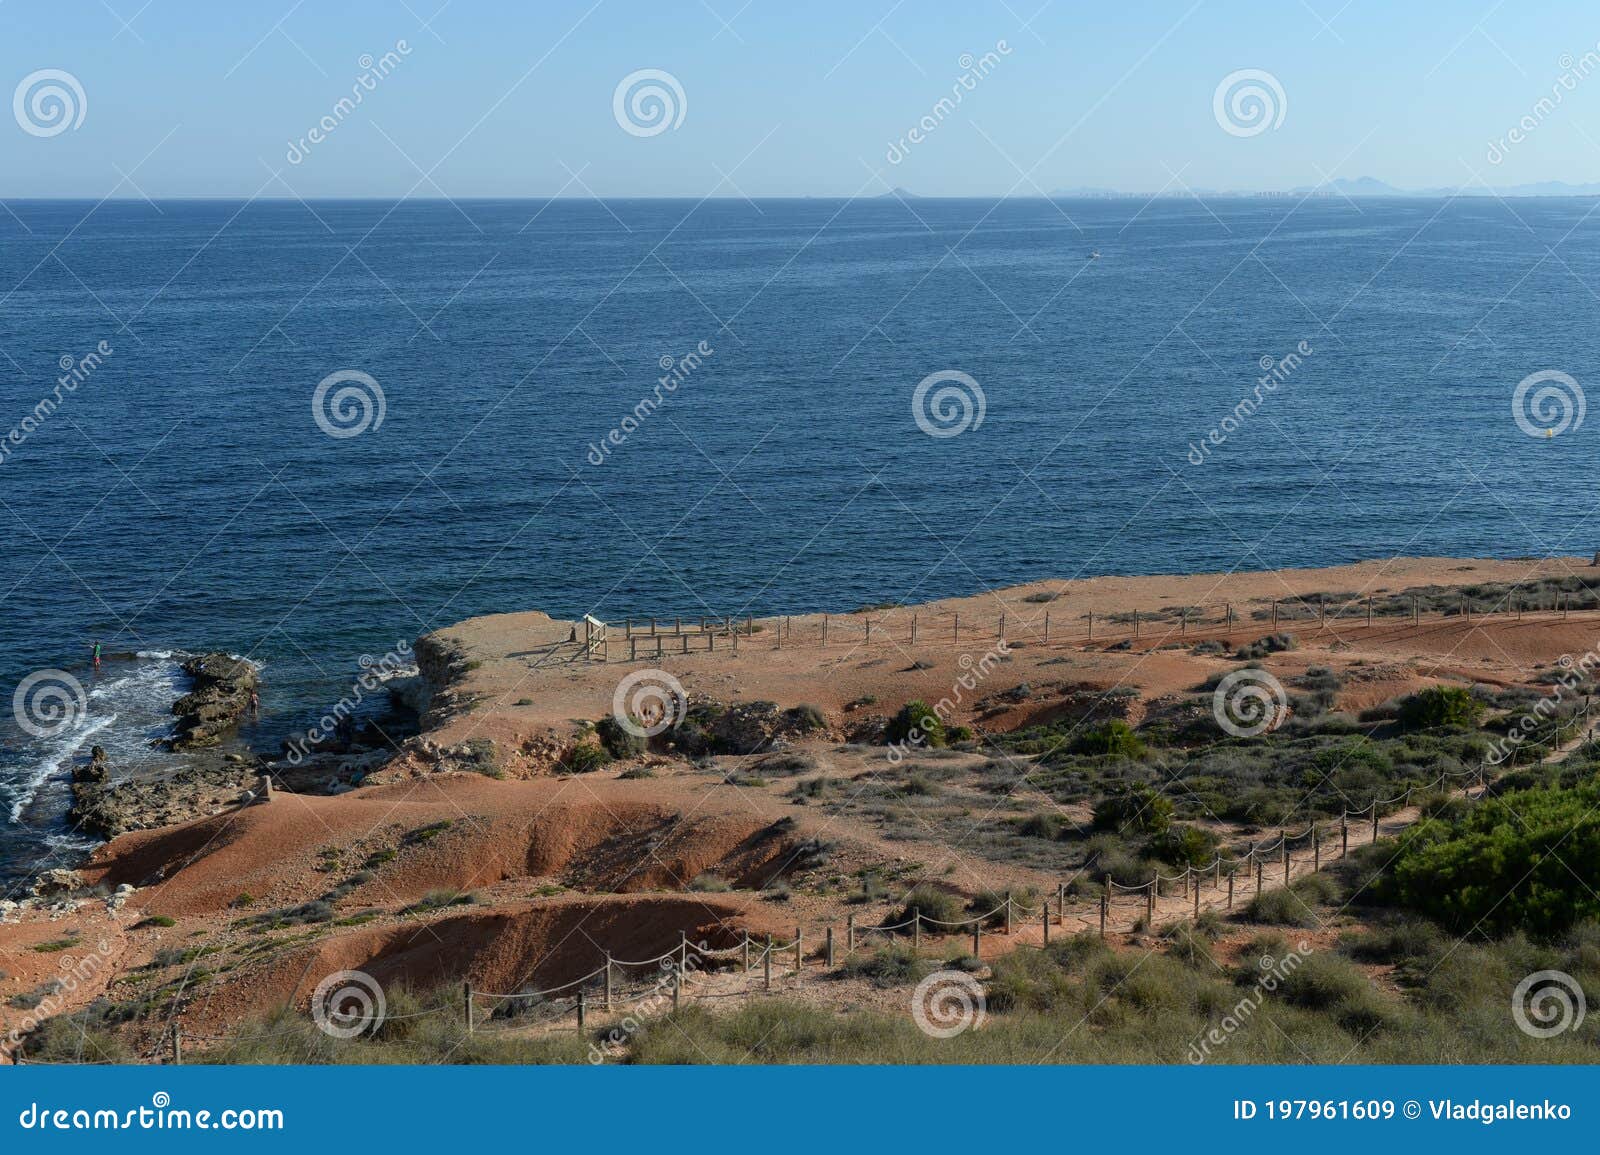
x,y
184,497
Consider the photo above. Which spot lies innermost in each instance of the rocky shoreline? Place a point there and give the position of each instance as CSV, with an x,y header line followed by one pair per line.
x,y
212,778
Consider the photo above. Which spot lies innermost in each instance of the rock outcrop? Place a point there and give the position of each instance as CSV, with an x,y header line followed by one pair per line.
x,y
221,695
107,808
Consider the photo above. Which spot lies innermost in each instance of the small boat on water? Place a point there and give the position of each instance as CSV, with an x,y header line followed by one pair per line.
x,y
1095,255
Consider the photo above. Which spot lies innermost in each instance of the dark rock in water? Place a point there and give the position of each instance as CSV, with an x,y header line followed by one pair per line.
x,y
96,769
221,695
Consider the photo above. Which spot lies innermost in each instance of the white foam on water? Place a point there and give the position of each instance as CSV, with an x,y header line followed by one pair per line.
x,y
140,698
58,750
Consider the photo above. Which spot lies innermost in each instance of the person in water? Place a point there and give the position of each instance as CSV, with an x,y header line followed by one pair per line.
x,y
97,655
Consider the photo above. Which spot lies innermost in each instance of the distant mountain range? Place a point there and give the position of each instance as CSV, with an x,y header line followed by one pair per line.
x,y
1365,186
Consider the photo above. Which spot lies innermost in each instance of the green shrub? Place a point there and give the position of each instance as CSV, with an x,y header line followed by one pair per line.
x,y
584,758
930,906
710,884
1513,862
890,966
617,739
1136,809
1185,846
1439,706
1114,739
1049,825
916,724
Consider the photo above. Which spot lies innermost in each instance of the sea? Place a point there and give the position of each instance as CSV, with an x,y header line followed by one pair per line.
x,y
308,432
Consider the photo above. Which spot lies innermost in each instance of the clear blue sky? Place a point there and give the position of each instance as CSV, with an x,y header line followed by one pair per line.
x,y
202,98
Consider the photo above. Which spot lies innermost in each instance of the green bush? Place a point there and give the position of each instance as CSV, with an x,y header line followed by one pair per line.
x,y
584,758
1185,846
1115,739
1439,706
618,740
1514,862
891,966
930,906
916,724
1136,809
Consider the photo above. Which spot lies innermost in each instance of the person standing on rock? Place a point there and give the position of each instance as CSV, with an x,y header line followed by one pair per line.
x,y
255,704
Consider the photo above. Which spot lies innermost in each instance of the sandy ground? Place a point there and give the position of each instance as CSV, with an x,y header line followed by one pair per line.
x,y
562,869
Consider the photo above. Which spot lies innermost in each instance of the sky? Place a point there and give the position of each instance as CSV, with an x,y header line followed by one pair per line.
x,y
182,98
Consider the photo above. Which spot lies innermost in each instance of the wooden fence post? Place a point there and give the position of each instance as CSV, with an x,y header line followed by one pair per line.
x,y
799,949
1344,834
1105,901
830,948
1150,905
957,623
608,980
1316,850
916,932
746,952
977,939
824,629
1061,902
1044,910
1286,858
1374,820
1258,878
1008,912
466,1001
177,1044
850,931
677,992
1091,625
1230,890
766,959
580,1010
1274,613
1047,627
913,629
